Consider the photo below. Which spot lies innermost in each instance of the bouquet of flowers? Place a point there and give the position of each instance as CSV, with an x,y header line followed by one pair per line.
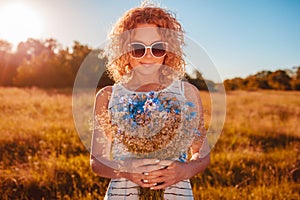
x,y
150,123
153,125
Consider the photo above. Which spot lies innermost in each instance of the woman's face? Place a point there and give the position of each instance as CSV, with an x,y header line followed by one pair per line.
x,y
148,64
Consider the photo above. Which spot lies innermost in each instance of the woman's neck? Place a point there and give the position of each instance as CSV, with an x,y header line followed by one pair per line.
x,y
139,80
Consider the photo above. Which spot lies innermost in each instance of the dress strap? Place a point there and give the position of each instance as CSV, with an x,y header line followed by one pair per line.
x,y
113,89
182,87
179,87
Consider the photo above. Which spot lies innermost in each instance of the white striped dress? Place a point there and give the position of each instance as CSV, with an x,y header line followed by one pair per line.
x,y
120,189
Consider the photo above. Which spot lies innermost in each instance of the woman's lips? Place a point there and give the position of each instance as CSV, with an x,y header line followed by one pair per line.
x,y
147,64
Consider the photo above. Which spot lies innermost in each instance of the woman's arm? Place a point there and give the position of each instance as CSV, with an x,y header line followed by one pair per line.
x,y
199,149
101,140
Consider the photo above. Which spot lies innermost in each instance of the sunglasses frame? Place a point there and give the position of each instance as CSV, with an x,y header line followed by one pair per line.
x,y
148,47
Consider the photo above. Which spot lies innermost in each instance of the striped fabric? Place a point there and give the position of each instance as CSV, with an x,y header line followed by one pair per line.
x,y
120,189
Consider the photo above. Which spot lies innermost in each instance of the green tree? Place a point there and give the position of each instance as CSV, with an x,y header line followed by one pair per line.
x,y
38,63
298,73
296,79
198,81
49,65
258,81
280,80
5,56
234,84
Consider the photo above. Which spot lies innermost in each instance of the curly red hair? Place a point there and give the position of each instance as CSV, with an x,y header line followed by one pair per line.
x,y
119,65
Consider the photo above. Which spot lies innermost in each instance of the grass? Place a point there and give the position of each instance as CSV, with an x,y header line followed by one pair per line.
x,y
256,157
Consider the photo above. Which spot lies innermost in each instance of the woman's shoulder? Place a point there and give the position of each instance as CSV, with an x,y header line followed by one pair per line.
x,y
188,86
104,92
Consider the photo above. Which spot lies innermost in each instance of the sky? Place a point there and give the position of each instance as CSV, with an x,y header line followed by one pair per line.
x,y
241,37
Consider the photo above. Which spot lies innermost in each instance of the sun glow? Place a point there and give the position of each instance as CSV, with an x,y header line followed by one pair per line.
x,y
18,23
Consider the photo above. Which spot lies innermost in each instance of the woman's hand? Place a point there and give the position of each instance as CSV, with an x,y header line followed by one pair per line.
x,y
137,170
169,175
174,172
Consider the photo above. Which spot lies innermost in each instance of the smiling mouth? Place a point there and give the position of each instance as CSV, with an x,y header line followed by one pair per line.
x,y
147,64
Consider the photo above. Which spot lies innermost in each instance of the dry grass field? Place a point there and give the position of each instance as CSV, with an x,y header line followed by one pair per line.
x,y
256,157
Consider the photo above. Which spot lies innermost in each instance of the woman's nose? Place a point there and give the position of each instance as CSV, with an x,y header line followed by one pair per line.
x,y
148,53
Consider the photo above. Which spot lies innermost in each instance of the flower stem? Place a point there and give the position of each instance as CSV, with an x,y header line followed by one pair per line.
x,y
148,194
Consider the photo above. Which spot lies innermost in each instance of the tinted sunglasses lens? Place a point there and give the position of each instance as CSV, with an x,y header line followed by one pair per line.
x,y
159,49
137,50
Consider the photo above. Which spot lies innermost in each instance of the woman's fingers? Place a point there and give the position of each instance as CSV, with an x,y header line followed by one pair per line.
x,y
166,177
166,162
148,161
141,179
151,173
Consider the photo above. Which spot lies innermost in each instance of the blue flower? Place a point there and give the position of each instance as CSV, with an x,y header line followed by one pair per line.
x,y
135,103
197,132
160,107
156,100
177,111
193,114
126,117
133,124
151,94
190,104
182,157
188,117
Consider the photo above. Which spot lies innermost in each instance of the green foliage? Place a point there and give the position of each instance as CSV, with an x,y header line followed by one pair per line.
x,y
277,80
42,157
199,82
48,69
8,64
42,63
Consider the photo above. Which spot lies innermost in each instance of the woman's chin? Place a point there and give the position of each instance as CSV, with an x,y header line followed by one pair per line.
x,y
147,69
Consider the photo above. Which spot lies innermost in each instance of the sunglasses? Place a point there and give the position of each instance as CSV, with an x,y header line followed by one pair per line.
x,y
157,49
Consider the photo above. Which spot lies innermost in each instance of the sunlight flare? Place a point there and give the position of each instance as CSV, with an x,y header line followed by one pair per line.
x,y
19,22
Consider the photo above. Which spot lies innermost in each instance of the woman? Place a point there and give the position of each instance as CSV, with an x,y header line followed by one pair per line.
x,y
146,45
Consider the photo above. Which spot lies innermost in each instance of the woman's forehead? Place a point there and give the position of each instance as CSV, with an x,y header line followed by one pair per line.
x,y
146,34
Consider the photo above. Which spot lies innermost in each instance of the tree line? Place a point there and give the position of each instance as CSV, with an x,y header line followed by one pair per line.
x,y
46,64
41,63
288,79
